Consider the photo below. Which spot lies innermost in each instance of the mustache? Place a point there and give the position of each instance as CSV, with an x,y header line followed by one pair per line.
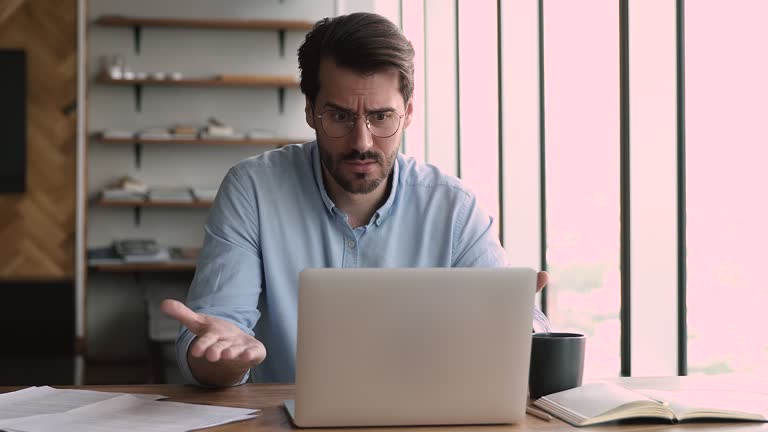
x,y
356,155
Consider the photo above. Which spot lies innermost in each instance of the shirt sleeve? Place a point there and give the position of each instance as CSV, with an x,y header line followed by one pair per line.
x,y
229,275
477,245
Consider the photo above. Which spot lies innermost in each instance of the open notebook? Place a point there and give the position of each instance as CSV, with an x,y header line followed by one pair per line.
x,y
597,403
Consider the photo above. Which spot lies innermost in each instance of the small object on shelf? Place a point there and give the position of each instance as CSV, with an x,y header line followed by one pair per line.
x,y
176,76
205,194
113,66
158,76
125,188
103,255
217,129
141,75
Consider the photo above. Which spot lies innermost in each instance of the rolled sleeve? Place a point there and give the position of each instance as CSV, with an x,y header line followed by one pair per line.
x,y
228,280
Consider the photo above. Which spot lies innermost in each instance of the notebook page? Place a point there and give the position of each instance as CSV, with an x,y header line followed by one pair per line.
x,y
712,401
592,400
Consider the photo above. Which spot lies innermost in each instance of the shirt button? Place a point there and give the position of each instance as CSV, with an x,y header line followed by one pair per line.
x,y
351,244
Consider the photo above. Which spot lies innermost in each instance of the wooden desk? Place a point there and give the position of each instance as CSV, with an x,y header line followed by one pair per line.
x,y
269,398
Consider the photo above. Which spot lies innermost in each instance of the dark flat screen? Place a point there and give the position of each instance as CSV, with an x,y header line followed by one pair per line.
x,y
13,121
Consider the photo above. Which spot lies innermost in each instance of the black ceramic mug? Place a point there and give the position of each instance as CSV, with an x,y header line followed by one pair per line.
x,y
557,363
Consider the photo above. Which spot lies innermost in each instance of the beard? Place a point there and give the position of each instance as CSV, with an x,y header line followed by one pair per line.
x,y
356,182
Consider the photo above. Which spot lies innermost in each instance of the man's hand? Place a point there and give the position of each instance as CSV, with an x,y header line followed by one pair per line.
x,y
222,352
541,281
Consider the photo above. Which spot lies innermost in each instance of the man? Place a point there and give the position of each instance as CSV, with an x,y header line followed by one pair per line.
x,y
348,199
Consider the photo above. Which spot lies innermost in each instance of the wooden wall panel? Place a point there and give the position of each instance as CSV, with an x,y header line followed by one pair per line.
x,y
37,228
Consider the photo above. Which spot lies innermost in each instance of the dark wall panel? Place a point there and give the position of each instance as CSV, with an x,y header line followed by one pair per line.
x,y
13,121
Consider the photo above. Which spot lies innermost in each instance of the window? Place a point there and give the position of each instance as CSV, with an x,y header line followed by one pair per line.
x,y
726,90
581,70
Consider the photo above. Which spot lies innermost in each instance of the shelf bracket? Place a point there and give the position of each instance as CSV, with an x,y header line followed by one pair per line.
x,y
281,99
137,39
137,149
137,97
281,42
137,215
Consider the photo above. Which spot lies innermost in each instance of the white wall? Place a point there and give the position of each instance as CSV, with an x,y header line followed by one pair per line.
x,y
115,314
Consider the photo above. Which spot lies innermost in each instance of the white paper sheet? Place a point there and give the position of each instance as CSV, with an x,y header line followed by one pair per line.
x,y
48,400
129,413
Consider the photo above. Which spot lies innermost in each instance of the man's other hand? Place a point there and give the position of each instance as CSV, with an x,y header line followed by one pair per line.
x,y
541,281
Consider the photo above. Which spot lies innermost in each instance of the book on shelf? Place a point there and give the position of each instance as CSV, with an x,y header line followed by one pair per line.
x,y
184,136
162,255
137,251
117,134
185,132
234,136
122,195
155,133
602,402
172,194
135,246
141,251
259,134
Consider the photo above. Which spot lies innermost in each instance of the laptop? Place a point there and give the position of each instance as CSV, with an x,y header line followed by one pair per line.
x,y
428,346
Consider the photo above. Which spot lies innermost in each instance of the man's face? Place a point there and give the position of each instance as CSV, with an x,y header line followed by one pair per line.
x,y
359,162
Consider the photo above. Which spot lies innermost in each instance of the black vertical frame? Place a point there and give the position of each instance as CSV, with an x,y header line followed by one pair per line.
x,y
458,94
542,158
500,94
624,197
682,320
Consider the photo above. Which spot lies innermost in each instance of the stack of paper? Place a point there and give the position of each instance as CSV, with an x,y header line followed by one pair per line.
x,y
40,409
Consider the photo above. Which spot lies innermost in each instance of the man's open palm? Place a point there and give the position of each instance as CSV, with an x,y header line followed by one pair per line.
x,y
217,340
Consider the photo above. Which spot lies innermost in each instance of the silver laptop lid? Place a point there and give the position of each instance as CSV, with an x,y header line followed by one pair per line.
x,y
380,347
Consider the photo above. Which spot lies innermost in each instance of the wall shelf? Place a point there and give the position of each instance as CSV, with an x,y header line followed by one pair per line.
x,y
138,143
267,142
165,266
157,204
250,24
213,81
137,23
281,82
137,206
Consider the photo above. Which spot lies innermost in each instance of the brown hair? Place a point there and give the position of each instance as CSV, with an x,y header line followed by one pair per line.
x,y
364,42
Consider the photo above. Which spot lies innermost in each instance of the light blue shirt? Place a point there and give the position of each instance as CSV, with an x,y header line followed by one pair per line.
x,y
272,218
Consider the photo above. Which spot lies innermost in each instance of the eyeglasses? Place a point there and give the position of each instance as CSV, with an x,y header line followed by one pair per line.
x,y
338,123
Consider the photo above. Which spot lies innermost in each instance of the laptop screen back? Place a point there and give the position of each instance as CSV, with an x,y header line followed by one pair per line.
x,y
383,347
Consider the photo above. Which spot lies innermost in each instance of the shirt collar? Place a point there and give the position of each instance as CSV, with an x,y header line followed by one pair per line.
x,y
381,213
